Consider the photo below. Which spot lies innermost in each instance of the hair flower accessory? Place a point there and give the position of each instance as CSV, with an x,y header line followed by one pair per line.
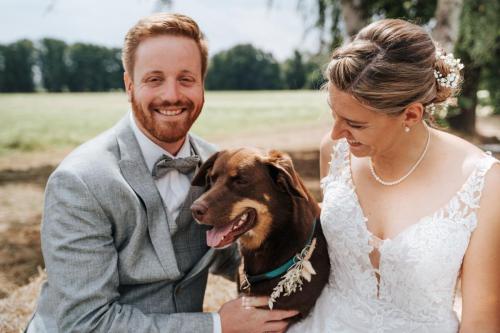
x,y
451,80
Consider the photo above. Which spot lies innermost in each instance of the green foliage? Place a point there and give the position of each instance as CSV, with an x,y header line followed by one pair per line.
x,y
3,49
77,67
479,31
294,71
114,69
480,38
330,11
329,15
479,48
491,79
243,67
93,68
315,66
16,66
418,11
478,45
51,59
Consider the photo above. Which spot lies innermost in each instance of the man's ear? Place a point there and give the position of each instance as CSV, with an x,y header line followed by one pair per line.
x,y
127,80
200,179
283,174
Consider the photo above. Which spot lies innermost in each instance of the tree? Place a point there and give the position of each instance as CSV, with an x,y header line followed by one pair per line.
x,y
17,61
94,68
294,72
243,67
51,59
3,49
473,31
447,23
478,46
358,13
113,68
315,66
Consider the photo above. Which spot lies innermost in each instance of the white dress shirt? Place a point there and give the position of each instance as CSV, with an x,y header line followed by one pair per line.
x,y
173,187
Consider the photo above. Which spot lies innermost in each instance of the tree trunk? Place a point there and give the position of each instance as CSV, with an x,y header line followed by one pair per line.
x,y
465,121
447,23
354,16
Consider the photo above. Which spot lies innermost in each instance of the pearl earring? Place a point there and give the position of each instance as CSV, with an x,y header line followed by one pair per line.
x,y
407,129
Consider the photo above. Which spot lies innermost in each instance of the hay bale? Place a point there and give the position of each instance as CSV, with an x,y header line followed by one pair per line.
x,y
219,291
6,286
16,309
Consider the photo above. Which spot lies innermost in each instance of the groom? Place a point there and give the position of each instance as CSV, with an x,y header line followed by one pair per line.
x,y
121,249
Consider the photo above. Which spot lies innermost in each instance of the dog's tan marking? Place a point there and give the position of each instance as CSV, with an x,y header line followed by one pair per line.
x,y
252,239
239,161
267,197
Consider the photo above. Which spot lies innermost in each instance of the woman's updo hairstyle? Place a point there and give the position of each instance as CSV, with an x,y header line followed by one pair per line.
x,y
390,64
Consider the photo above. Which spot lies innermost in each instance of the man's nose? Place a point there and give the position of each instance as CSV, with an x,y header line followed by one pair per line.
x,y
199,209
170,91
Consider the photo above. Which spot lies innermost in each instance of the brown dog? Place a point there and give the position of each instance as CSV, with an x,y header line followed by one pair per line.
x,y
259,199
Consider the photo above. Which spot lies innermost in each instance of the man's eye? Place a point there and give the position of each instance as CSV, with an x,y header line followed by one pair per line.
x,y
154,79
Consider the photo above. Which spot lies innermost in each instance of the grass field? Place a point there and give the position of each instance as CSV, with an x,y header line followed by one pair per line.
x,y
37,122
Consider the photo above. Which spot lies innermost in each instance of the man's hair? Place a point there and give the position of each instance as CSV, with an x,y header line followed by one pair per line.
x,y
163,24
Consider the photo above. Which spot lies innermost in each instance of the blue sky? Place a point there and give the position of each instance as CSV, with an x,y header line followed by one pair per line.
x,y
278,29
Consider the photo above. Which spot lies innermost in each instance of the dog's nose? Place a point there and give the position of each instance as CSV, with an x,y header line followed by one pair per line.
x,y
199,209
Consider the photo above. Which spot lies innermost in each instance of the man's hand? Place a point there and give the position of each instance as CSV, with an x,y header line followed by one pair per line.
x,y
242,316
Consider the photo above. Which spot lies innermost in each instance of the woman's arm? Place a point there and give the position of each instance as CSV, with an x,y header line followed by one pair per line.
x,y
481,266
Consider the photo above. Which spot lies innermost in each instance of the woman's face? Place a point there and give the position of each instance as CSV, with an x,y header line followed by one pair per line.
x,y
369,133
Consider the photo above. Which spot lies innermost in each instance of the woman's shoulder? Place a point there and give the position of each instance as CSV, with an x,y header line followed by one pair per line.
x,y
459,152
473,162
326,151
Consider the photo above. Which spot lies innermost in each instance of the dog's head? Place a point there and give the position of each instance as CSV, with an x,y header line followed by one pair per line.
x,y
246,190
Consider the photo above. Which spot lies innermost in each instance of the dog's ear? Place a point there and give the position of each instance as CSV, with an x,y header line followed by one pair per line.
x,y
283,174
200,179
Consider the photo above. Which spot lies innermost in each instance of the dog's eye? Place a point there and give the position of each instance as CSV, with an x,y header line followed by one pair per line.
x,y
238,180
212,179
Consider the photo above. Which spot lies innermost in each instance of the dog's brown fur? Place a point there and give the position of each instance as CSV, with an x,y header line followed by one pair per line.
x,y
244,179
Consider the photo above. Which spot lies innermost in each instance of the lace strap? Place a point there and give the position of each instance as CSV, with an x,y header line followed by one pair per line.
x,y
339,162
466,201
340,159
474,187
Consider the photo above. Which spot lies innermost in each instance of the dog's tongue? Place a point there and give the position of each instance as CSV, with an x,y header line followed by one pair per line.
x,y
214,235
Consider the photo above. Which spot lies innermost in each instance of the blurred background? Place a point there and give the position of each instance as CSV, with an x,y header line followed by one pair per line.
x,y
61,84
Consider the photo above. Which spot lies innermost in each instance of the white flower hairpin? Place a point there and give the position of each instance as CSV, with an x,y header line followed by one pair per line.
x,y
451,80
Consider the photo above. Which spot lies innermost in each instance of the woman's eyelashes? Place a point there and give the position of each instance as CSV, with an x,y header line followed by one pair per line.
x,y
356,126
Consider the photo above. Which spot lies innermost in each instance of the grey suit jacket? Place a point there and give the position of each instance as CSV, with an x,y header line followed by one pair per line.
x,y
113,262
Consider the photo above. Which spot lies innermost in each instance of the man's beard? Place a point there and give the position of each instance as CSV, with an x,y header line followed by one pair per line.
x,y
164,131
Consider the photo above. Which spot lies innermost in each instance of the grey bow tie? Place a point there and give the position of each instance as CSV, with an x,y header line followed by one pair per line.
x,y
184,165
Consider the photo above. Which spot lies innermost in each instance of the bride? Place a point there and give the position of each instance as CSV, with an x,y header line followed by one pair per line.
x,y
407,209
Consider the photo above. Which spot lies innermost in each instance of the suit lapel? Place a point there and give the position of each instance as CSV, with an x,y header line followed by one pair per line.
x,y
200,266
185,216
136,173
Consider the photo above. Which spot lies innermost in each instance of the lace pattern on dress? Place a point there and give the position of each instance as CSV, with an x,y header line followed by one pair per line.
x,y
418,268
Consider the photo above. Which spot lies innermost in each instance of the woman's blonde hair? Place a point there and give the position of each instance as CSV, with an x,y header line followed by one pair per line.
x,y
390,64
163,24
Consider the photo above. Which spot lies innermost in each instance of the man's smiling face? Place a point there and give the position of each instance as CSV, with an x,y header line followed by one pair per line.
x,y
166,89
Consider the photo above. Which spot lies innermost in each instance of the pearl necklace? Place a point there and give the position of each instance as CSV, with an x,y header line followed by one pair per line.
x,y
397,181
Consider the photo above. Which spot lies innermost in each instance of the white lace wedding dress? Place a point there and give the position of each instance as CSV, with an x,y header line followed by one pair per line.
x,y
418,268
